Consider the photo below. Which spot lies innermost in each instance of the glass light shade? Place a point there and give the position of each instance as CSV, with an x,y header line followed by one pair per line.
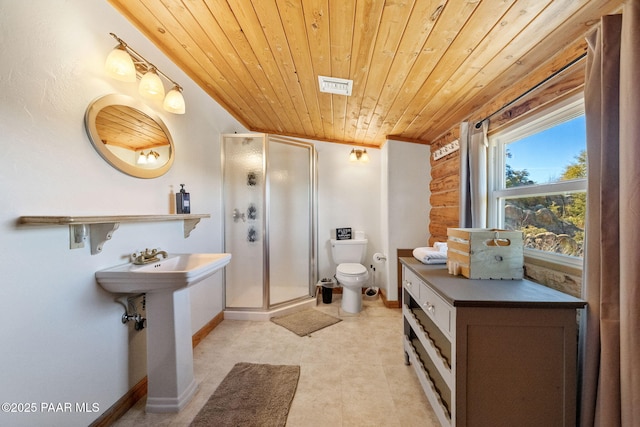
x,y
364,157
353,157
152,157
151,86
142,159
174,101
119,65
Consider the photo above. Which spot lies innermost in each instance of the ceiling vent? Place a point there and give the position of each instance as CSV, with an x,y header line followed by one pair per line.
x,y
335,85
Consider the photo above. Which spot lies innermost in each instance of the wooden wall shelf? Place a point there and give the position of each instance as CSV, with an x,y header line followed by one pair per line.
x,y
100,228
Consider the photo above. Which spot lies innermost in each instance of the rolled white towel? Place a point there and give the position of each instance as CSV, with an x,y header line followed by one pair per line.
x,y
441,246
430,256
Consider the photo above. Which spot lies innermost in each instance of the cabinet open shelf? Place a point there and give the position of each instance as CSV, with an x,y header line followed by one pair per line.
x,y
98,229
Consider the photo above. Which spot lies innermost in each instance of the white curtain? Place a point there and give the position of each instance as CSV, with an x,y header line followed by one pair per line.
x,y
610,330
473,176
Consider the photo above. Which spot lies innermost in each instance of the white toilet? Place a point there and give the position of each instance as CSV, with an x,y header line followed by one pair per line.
x,y
351,275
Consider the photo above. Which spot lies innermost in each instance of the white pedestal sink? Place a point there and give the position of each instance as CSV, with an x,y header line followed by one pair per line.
x,y
169,350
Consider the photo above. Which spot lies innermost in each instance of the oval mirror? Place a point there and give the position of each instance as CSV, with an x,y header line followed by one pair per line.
x,y
130,136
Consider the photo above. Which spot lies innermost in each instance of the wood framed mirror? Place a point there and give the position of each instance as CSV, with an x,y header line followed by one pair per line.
x,y
130,136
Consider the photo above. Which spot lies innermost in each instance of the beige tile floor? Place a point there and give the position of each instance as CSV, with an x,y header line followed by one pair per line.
x,y
351,373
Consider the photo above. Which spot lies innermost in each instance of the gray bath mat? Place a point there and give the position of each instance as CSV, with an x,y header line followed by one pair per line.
x,y
304,322
251,395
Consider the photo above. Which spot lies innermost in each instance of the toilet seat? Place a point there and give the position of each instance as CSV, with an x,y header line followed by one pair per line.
x,y
351,269
350,273
352,277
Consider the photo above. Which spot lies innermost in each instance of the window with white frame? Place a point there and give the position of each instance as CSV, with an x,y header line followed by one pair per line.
x,y
537,181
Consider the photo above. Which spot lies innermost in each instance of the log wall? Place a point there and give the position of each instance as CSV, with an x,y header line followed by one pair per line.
x,y
445,189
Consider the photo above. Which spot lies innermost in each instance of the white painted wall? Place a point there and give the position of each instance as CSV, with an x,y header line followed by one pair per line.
x,y
62,339
61,336
387,198
405,204
348,196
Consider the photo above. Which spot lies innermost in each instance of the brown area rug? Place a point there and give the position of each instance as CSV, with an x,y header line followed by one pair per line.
x,y
305,322
251,395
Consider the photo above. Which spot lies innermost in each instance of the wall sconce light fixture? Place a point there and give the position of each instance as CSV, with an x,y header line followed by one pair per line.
x,y
142,159
152,157
149,158
356,155
124,64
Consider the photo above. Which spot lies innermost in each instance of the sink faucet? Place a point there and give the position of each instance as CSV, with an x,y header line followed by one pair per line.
x,y
148,256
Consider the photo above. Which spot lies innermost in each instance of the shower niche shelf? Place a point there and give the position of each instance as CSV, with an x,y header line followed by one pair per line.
x,y
99,229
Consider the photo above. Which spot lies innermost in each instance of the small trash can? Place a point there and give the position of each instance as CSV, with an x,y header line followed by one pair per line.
x,y
327,285
327,294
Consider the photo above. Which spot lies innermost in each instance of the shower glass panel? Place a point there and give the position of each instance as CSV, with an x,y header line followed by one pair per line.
x,y
269,205
290,220
244,188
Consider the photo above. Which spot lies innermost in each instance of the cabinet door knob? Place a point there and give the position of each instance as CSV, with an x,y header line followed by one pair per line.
x,y
430,307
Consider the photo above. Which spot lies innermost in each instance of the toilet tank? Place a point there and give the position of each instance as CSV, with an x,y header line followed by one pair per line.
x,y
353,250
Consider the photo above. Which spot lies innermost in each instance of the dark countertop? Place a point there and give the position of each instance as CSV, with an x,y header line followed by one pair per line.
x,y
462,292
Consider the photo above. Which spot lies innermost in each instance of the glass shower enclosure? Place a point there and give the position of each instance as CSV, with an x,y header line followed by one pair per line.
x,y
269,221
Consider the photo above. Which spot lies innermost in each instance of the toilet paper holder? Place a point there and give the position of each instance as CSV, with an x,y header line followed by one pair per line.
x,y
378,257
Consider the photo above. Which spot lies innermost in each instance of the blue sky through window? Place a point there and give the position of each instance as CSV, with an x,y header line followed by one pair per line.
x,y
546,154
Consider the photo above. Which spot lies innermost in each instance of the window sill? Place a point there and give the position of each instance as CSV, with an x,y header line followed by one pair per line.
x,y
560,263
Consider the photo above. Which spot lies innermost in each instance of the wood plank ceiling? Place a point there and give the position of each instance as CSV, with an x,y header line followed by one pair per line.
x,y
128,128
418,67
